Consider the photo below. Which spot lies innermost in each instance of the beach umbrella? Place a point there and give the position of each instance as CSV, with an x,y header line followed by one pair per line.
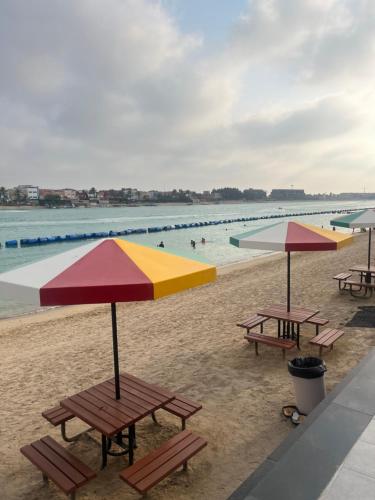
x,y
291,237
362,219
105,271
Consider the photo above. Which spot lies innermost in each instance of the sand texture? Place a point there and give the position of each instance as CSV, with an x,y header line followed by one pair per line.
x,y
188,343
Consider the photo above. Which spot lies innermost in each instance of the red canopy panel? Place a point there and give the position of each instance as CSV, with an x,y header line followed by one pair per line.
x,y
300,238
91,281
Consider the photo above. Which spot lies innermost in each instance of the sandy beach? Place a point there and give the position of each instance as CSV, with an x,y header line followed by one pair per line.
x,y
190,344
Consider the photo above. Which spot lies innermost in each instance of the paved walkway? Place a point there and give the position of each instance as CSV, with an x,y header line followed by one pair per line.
x,y
356,477
331,455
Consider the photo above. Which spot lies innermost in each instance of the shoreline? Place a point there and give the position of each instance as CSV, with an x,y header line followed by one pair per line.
x,y
222,270
57,312
178,203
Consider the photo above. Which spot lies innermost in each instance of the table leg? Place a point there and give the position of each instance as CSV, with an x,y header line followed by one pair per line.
x,y
131,443
278,329
298,329
104,451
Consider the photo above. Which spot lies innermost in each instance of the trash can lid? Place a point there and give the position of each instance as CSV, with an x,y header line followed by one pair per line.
x,y
308,367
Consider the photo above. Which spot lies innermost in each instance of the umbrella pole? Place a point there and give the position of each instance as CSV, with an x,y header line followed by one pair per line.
x,y
369,249
115,350
288,284
368,275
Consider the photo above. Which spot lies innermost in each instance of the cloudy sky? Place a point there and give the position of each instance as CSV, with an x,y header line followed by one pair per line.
x,y
188,93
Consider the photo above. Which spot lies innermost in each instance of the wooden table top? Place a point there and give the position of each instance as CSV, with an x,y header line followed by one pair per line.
x,y
297,314
363,269
98,407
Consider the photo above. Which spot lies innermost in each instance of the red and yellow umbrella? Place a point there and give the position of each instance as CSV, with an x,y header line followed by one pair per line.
x,y
291,237
106,271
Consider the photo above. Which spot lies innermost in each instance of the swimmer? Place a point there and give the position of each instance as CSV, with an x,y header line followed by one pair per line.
x,y
161,245
203,241
192,242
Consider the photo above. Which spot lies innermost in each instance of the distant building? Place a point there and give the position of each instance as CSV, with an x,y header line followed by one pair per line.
x,y
131,194
356,196
153,195
83,195
287,194
29,192
70,194
43,193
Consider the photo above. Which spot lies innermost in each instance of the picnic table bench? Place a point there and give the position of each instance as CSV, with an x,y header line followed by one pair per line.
x,y
317,321
59,465
327,338
288,319
58,416
98,407
253,322
284,344
342,277
357,286
181,407
158,464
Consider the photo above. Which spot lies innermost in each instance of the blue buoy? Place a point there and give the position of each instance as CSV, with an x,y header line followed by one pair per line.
x,y
11,244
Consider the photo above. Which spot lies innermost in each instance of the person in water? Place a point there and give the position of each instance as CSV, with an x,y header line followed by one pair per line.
x,y
192,243
161,245
203,241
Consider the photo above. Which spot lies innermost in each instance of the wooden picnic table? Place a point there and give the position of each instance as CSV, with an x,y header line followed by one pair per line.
x,y
364,272
296,316
98,407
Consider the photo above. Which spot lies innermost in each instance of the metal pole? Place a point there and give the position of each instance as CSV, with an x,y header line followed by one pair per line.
x,y
288,281
368,275
115,350
369,249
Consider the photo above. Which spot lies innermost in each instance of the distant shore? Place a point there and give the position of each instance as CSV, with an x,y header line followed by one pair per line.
x,y
169,203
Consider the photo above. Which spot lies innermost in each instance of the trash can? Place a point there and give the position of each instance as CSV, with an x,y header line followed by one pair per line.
x,y
308,380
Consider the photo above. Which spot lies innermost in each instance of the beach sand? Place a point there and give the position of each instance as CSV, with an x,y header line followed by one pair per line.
x,y
189,343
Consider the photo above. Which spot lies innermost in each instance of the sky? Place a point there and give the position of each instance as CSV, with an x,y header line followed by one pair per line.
x,y
192,94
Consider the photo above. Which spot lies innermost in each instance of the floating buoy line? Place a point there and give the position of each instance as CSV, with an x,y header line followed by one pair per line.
x,y
46,240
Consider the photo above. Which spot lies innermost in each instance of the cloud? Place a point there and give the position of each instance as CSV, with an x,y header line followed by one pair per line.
x,y
313,39
116,93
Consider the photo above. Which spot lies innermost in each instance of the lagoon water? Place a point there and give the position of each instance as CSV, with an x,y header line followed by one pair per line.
x,y
17,224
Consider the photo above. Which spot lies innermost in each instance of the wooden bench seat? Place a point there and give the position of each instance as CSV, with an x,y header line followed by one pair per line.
x,y
59,416
342,277
359,286
327,338
182,407
284,344
153,468
57,464
253,322
315,320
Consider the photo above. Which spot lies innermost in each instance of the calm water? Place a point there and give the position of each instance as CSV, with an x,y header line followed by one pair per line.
x,y
17,224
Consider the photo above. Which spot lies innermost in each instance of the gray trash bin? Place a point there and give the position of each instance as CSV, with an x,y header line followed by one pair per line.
x,y
308,380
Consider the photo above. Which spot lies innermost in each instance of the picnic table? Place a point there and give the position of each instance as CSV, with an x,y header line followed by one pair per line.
x,y
99,408
296,316
364,271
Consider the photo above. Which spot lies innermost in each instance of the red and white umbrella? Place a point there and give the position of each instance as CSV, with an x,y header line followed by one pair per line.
x,y
291,237
106,271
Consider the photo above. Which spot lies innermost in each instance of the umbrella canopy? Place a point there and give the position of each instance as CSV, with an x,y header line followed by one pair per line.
x,y
106,271
290,237
362,219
